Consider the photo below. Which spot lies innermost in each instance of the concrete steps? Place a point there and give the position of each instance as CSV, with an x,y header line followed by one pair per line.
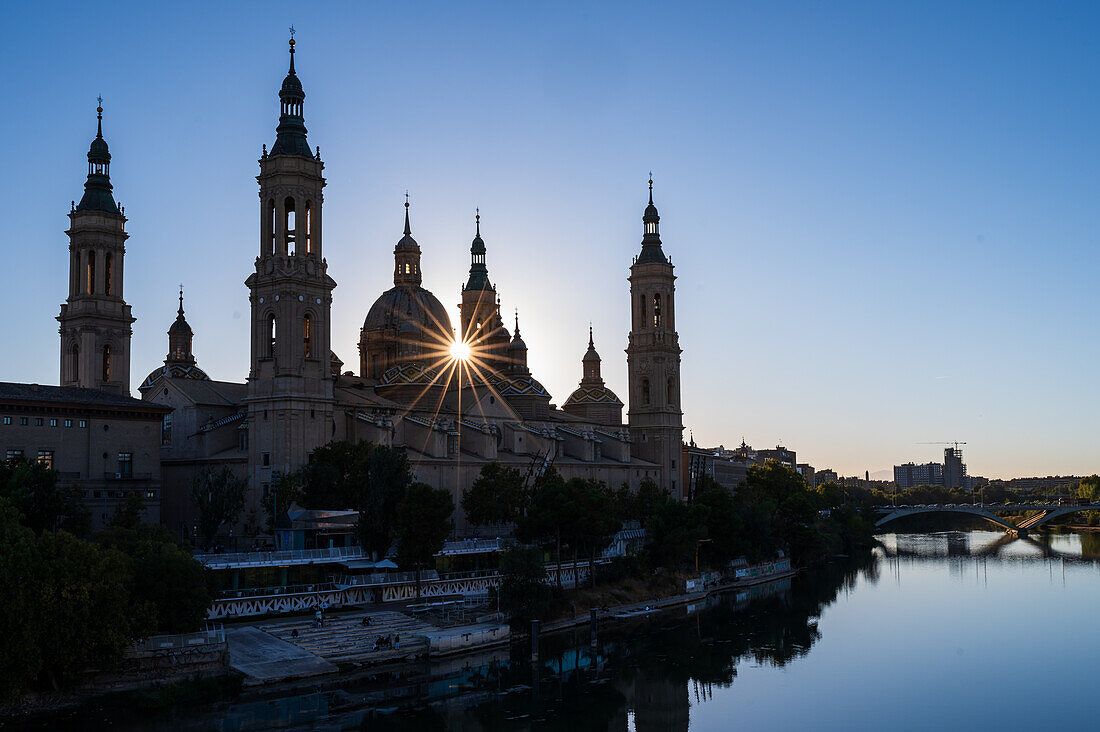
x,y
344,637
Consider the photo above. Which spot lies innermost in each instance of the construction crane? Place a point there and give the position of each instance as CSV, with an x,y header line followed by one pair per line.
x,y
956,443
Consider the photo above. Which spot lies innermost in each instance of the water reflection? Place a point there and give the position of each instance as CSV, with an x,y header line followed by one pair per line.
x,y
678,670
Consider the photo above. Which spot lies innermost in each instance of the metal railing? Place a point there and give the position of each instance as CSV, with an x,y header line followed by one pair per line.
x,y
214,634
474,546
288,556
276,591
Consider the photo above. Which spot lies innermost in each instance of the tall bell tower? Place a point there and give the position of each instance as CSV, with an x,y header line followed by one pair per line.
x,y
653,356
95,321
290,401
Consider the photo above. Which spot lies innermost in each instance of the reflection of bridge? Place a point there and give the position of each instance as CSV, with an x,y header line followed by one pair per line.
x,y
993,550
1042,513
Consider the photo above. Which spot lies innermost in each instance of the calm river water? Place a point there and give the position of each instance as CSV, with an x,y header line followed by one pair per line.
x,y
960,630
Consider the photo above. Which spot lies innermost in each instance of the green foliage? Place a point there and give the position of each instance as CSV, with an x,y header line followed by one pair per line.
x,y
496,497
675,530
32,489
170,592
546,518
218,493
20,659
523,592
723,523
286,489
1089,488
82,609
423,522
363,477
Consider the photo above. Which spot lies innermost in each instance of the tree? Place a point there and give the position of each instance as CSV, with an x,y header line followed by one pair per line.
x,y
33,490
523,592
20,659
286,489
496,497
589,518
363,477
675,529
547,516
170,592
723,522
82,608
219,495
423,522
1089,489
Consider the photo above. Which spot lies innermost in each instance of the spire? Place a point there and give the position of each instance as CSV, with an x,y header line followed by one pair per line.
x,y
651,238
517,324
517,352
591,362
97,189
479,273
179,339
406,256
290,138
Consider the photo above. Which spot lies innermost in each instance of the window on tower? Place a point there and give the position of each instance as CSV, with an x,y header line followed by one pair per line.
x,y
270,344
307,336
645,391
651,227
641,309
74,354
108,271
668,395
106,364
309,228
289,226
91,273
657,310
270,243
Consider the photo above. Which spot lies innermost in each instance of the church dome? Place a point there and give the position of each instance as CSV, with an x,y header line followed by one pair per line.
x,y
409,373
592,395
173,371
409,309
518,385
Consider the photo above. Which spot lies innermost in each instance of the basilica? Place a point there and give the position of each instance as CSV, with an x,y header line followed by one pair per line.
x,y
454,396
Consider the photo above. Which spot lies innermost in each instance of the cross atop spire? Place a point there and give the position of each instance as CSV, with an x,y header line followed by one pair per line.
x,y
591,344
517,322
408,229
99,117
477,220
180,311
651,188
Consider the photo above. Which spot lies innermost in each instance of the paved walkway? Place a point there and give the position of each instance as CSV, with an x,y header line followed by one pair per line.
x,y
262,658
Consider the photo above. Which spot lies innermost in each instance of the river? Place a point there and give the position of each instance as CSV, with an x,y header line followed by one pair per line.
x,y
958,630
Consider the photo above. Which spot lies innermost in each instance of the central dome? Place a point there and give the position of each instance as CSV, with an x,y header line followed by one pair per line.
x,y
409,309
406,324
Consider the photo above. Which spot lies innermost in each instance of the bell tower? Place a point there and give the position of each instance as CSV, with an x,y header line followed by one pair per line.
x,y
95,321
482,327
653,356
290,401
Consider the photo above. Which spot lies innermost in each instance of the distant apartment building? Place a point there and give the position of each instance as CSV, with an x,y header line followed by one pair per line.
x,y
910,474
954,469
807,472
780,454
825,475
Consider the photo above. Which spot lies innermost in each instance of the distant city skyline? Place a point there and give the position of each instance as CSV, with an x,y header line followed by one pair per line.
x,y
883,219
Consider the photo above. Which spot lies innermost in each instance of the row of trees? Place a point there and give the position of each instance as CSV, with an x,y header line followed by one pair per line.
x,y
773,509
73,599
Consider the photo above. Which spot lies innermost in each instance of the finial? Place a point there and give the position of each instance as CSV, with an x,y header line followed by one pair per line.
x,y
180,311
591,344
651,187
291,49
517,322
408,229
477,219
264,153
99,116
318,153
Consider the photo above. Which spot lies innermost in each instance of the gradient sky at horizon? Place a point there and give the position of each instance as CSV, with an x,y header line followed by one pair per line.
x,y
883,215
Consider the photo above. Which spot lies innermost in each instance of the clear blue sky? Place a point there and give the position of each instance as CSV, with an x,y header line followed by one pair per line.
x,y
883,215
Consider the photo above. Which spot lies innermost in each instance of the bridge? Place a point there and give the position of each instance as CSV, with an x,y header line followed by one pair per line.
x,y
1040,513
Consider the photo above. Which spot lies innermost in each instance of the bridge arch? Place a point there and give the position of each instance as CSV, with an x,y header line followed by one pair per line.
x,y
972,511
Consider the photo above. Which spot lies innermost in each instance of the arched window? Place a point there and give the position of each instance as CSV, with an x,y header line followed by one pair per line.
x,y
91,273
668,397
106,364
75,355
307,336
641,309
309,227
645,391
270,243
271,335
108,272
289,225
657,310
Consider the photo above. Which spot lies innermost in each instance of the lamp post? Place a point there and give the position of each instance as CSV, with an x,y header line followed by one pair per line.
x,y
697,543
